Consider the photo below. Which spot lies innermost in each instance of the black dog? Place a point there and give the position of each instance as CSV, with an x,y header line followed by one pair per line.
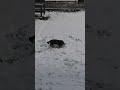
x,y
54,43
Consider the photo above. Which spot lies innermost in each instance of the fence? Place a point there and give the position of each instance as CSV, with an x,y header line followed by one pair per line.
x,y
63,5
40,7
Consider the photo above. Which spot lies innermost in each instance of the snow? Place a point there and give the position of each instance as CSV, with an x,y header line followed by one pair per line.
x,y
60,69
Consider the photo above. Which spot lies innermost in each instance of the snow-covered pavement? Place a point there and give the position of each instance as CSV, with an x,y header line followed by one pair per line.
x,y
60,69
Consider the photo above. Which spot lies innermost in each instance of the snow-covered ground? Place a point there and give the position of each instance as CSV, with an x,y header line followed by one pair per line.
x,y
60,69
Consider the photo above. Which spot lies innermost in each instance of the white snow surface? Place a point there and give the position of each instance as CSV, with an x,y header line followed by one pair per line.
x,y
64,68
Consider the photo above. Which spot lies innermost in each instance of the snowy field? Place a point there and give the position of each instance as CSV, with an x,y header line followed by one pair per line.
x,y
60,69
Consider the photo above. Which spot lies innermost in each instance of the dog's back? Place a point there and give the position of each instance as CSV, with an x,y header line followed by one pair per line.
x,y
55,42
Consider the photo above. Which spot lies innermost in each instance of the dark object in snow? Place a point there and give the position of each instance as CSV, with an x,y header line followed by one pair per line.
x,y
32,39
44,18
54,43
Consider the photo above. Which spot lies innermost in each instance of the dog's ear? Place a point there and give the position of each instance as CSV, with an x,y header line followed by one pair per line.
x,y
48,42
